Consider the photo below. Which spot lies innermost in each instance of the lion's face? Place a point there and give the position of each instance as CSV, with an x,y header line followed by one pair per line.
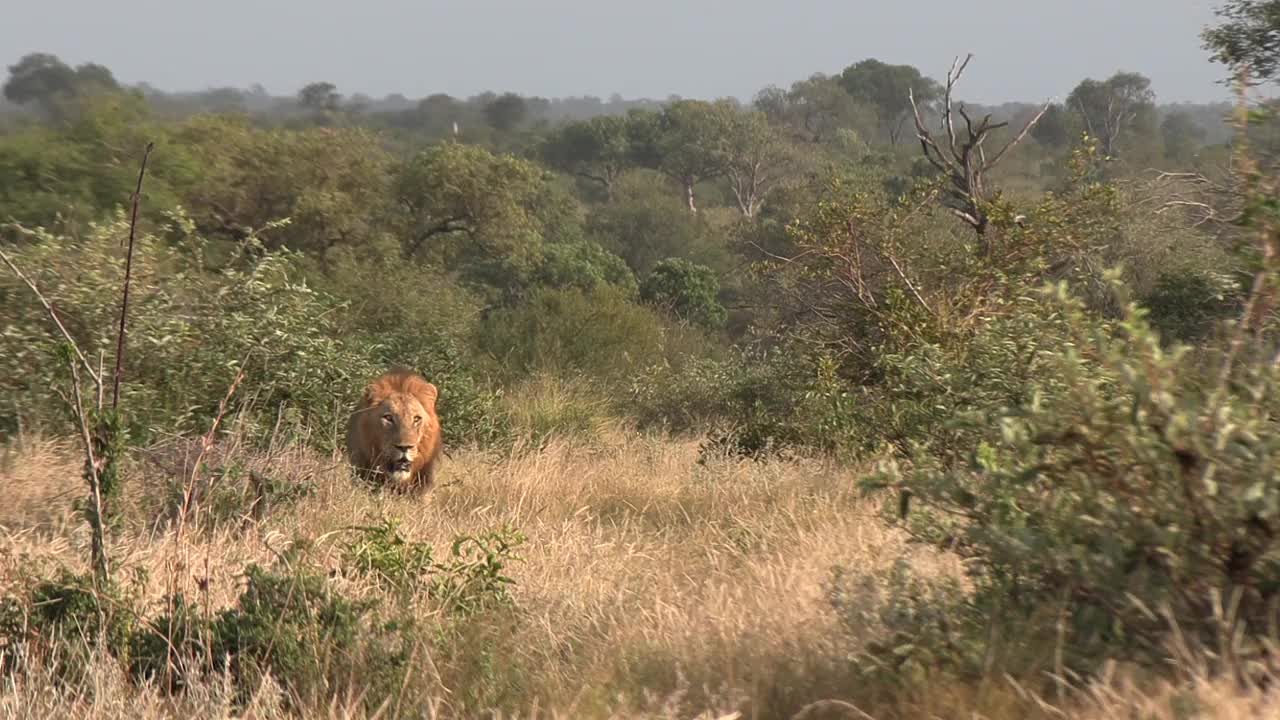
x,y
402,420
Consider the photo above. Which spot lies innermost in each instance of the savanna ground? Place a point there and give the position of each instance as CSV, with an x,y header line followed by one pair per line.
x,y
650,585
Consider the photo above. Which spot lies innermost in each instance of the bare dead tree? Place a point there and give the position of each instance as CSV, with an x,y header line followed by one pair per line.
x,y
963,160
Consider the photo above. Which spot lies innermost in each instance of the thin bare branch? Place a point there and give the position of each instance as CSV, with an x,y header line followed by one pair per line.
x,y
910,285
118,375
966,163
1026,130
101,564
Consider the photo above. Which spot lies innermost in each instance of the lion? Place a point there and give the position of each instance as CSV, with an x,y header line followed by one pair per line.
x,y
394,432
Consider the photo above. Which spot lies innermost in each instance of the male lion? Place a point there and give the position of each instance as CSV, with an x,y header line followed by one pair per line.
x,y
394,431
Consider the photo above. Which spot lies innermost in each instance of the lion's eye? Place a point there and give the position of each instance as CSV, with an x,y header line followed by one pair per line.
x,y
387,418
417,419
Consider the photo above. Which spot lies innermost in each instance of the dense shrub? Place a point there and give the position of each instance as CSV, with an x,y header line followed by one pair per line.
x,y
1185,306
291,623
597,332
546,407
1120,487
686,290
191,328
752,404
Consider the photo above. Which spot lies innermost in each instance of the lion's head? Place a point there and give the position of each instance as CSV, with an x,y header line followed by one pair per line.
x,y
394,433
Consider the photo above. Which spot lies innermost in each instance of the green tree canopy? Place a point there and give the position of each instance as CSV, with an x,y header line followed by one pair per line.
x,y
814,109
685,142
1115,108
1248,37
320,96
686,290
1182,136
43,79
506,112
597,149
454,190
757,159
886,88
1054,129
331,183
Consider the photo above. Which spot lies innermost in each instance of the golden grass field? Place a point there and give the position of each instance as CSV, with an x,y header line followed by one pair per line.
x,y
651,586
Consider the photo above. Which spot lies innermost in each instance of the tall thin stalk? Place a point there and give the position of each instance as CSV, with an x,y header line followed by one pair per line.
x,y
128,276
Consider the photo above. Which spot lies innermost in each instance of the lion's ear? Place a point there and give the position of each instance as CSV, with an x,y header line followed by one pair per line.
x,y
430,393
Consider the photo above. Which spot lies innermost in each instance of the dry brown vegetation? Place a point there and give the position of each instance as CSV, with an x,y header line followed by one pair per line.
x,y
651,585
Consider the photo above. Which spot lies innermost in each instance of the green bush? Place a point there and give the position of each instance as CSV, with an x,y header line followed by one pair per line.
x,y
585,265
406,314
1186,306
380,552
1121,487
293,626
469,580
646,223
753,404
597,332
686,290
190,330
64,619
306,353
546,407
917,628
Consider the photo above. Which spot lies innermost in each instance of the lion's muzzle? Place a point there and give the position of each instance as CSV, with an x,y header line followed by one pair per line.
x,y
400,463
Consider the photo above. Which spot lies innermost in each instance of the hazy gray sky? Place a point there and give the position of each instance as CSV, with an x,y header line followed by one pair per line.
x,y
1023,49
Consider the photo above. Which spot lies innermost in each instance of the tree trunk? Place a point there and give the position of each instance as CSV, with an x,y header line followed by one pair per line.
x,y
688,194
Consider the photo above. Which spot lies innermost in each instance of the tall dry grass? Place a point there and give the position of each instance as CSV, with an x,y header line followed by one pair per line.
x,y
651,585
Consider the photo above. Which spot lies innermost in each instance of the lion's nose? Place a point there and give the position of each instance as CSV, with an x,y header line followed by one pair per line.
x,y
404,448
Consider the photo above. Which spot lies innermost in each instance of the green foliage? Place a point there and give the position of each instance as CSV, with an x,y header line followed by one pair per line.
x,y
380,552
470,579
87,166
573,331
473,579
1182,136
886,88
688,291
1115,109
1053,129
583,265
922,628
597,149
290,623
64,618
404,313
189,332
751,404
1246,37
331,184
291,626
1185,307
645,224
43,78
506,112
685,142
545,407
463,199
1118,489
